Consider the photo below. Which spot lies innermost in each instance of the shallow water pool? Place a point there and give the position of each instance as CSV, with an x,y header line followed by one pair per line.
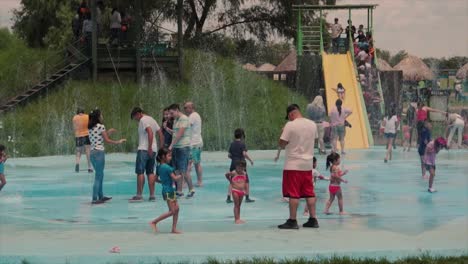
x,y
46,216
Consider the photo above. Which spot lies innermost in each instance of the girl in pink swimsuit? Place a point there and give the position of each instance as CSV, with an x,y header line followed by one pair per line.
x,y
238,181
333,162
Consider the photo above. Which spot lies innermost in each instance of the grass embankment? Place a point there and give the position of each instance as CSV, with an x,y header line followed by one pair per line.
x,y
226,97
20,66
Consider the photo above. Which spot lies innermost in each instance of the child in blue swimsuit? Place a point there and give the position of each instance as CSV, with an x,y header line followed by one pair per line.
x,y
166,176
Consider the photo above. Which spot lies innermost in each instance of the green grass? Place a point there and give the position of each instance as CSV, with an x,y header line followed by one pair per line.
x,y
226,96
423,259
20,66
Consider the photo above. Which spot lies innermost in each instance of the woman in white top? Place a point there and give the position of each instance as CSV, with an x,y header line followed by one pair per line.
x,y
115,26
390,124
455,123
97,136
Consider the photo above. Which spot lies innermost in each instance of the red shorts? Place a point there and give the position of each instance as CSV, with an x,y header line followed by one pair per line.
x,y
334,189
298,184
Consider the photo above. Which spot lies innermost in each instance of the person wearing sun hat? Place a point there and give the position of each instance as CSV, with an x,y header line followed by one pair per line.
x,y
432,148
298,139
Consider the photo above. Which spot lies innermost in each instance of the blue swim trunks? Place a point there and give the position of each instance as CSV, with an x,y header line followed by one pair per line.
x,y
2,168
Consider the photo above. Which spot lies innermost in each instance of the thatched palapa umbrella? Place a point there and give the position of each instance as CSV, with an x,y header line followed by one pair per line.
x,y
382,65
249,67
288,64
266,67
462,73
414,69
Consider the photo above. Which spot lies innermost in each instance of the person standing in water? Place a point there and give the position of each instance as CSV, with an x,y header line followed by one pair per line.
x,y
82,143
316,112
390,124
3,158
238,182
422,115
99,135
147,147
196,142
338,116
238,152
333,162
455,123
180,147
298,139
432,149
167,123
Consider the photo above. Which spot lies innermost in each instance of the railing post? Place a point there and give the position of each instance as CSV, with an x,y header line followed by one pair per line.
x,y
368,19
321,32
299,32
351,36
94,38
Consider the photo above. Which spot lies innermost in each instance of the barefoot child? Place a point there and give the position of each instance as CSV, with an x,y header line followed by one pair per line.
x,y
238,152
3,158
430,153
333,162
390,124
423,140
238,181
406,137
166,176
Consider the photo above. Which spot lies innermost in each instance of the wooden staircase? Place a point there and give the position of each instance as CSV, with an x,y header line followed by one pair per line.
x,y
50,82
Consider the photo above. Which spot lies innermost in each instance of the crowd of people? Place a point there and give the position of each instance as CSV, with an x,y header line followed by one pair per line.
x,y
166,155
82,26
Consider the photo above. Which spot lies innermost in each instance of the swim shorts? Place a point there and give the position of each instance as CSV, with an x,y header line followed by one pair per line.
x,y
298,184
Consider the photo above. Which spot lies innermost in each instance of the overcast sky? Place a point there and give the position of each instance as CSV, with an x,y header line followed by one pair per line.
x,y
425,28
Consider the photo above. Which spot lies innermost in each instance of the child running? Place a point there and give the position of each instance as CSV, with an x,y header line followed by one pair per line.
x,y
317,176
3,158
238,152
390,124
166,176
406,137
423,140
333,162
238,182
430,153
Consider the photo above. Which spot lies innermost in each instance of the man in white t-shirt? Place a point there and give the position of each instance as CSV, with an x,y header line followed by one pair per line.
x,y
298,138
196,141
147,148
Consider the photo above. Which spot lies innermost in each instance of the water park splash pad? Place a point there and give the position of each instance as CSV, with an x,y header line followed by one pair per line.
x,y
46,216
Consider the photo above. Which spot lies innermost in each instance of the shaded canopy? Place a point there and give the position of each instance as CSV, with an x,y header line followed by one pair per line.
x,y
288,63
266,67
414,69
462,73
382,65
249,67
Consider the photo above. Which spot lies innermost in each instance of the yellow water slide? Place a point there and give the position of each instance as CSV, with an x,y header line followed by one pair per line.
x,y
339,68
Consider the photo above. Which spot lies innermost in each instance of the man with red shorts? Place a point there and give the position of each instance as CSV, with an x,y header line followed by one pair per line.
x,y
298,138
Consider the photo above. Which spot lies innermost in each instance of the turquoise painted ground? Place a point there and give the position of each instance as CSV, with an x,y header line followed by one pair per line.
x,y
46,216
